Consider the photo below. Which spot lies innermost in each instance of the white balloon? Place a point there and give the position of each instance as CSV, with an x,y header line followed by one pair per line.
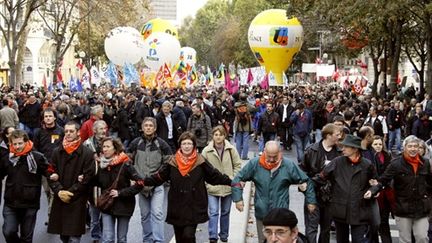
x,y
160,48
188,55
124,45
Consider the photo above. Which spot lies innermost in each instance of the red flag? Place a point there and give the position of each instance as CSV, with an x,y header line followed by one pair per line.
x,y
235,85
250,77
59,76
227,82
336,75
399,80
44,83
79,64
265,82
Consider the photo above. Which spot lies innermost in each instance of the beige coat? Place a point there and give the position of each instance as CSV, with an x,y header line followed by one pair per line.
x,y
229,165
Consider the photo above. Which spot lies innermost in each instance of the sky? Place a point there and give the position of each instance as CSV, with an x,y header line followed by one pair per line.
x,y
188,7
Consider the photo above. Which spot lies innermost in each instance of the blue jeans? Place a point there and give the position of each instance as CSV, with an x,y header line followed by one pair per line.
x,y
152,215
95,223
301,144
395,139
23,219
224,204
30,131
108,232
242,144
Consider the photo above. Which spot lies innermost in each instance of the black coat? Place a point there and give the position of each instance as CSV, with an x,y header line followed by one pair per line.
x,y
23,189
124,204
123,125
349,184
47,139
412,191
162,127
30,115
187,197
70,218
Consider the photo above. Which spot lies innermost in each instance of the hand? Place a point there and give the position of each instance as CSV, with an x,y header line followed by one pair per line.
x,y
242,183
367,195
373,182
311,207
302,187
80,178
54,177
65,196
114,193
239,206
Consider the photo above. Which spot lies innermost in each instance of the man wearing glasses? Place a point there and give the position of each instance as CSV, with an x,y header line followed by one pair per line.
x,y
280,225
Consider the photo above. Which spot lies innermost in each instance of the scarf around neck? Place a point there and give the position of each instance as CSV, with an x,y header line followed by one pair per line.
x,y
14,156
70,147
413,161
356,159
184,163
269,166
116,160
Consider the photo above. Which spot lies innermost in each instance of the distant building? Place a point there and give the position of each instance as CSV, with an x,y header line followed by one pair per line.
x,y
165,9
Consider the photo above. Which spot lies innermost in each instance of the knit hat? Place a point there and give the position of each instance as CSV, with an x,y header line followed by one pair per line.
x,y
280,217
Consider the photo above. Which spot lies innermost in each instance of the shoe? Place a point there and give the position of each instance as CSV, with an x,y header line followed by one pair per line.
x,y
224,240
213,241
245,158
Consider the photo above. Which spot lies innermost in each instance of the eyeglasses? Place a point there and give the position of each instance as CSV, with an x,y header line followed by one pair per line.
x,y
280,233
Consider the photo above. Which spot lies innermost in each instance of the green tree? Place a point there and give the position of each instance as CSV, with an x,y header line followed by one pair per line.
x,y
103,17
16,16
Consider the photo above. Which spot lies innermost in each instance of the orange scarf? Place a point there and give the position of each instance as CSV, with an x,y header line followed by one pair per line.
x,y
269,166
70,147
413,161
27,148
184,163
119,159
356,159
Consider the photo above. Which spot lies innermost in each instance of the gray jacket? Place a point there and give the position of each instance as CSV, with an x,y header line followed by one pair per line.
x,y
148,157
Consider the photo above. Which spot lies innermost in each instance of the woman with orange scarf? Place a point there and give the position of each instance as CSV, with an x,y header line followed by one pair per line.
x,y
114,162
412,183
187,198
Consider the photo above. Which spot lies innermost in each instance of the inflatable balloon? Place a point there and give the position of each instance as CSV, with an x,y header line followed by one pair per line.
x,y
188,55
160,48
158,25
124,45
274,40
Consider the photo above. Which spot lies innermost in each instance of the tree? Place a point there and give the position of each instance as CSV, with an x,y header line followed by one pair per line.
x,y
104,17
66,19
61,18
15,18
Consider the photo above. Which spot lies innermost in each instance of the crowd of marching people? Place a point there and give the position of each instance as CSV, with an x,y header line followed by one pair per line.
x,y
183,156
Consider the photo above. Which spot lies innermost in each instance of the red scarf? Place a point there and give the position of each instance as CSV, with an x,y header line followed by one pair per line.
x,y
70,147
119,159
356,159
269,166
413,161
184,163
27,148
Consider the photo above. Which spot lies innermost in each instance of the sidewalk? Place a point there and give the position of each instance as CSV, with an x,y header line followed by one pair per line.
x,y
239,220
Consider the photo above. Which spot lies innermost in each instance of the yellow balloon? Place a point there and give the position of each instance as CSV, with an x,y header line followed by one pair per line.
x,y
274,40
158,25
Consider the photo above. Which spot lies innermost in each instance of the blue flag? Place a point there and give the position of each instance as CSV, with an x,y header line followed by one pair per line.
x,y
130,74
72,85
111,74
78,85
